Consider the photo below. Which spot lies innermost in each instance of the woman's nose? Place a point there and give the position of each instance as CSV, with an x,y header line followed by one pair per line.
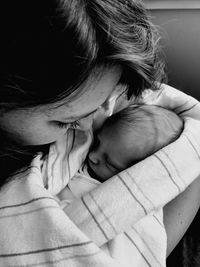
x,y
95,157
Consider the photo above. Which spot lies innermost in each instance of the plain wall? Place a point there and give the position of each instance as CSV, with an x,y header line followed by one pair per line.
x,y
180,30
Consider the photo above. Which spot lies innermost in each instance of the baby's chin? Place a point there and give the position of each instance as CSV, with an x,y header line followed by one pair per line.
x,y
93,174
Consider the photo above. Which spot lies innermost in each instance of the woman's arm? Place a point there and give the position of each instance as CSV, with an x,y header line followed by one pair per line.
x,y
148,185
179,213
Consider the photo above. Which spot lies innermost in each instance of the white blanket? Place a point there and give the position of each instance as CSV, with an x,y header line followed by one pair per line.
x,y
35,231
143,243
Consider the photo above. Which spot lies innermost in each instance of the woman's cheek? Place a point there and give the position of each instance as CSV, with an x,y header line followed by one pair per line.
x,y
37,135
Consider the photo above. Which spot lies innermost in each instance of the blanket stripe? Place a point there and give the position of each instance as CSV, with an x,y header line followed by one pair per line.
x,y
25,203
44,250
141,253
131,193
106,218
168,172
93,217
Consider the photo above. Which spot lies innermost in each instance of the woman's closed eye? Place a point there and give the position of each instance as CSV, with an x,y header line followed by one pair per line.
x,y
65,125
75,124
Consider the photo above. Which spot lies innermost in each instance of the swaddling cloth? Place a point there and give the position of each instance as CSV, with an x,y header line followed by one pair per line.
x,y
144,244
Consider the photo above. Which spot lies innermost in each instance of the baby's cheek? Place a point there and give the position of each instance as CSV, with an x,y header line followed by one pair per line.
x,y
105,173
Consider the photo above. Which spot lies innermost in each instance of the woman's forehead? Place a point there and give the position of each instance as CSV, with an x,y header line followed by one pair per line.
x,y
93,94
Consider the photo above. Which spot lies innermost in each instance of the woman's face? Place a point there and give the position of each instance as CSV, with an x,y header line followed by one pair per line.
x,y
43,125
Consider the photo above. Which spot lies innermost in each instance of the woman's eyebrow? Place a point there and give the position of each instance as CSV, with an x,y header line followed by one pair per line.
x,y
78,117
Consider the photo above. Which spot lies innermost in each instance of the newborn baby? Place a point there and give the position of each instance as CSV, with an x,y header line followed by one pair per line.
x,y
129,136
126,138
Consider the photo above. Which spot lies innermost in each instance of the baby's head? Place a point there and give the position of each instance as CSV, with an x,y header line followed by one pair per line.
x,y
129,136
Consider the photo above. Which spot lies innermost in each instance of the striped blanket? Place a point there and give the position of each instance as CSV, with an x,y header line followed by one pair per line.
x,y
36,231
146,240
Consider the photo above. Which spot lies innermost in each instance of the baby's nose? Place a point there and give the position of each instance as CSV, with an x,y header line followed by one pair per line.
x,y
94,157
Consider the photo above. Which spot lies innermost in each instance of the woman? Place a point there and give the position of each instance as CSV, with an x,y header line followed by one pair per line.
x,y
60,62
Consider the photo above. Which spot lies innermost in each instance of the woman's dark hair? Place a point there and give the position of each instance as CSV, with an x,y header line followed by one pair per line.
x,y
49,47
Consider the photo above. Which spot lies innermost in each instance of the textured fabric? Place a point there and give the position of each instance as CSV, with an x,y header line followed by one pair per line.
x,y
143,244
35,231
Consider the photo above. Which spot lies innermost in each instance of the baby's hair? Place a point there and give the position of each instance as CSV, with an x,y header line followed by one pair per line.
x,y
155,125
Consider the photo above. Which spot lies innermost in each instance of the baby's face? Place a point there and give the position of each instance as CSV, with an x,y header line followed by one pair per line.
x,y
112,152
